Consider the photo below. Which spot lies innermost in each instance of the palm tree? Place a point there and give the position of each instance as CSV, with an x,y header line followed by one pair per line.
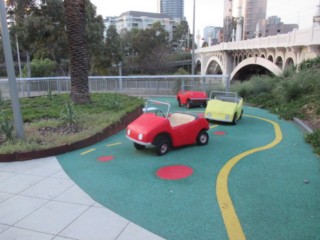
x,y
78,52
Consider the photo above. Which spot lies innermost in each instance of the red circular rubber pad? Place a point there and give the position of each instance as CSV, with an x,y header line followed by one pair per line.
x,y
174,172
219,133
105,158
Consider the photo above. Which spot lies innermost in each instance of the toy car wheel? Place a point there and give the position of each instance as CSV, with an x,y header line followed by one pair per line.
x,y
234,120
179,102
188,104
139,146
241,114
202,138
162,144
204,104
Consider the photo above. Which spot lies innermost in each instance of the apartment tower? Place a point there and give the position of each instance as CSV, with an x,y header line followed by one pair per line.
x,y
228,23
173,8
253,12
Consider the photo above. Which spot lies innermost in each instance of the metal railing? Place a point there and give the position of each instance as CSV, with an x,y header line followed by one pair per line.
x,y
167,85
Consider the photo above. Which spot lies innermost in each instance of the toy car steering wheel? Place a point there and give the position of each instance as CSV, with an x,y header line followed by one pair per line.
x,y
160,113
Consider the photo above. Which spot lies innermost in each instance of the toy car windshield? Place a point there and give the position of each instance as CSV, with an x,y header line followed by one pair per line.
x,y
157,107
225,96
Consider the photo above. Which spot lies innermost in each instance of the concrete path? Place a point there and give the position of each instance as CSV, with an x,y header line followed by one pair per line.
x,y
39,201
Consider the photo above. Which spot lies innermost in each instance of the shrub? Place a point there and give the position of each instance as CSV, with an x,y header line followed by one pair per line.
x,y
314,140
310,64
6,125
41,68
68,115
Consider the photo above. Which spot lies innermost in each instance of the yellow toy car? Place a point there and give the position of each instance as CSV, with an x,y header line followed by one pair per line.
x,y
224,107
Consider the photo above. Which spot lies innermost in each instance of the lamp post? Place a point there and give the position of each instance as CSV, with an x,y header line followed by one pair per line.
x,y
193,36
10,72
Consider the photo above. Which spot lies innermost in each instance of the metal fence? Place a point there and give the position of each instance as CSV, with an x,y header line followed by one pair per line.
x,y
131,85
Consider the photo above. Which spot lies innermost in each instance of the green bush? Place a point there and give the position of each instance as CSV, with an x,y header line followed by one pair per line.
x,y
68,115
314,140
6,125
41,68
310,64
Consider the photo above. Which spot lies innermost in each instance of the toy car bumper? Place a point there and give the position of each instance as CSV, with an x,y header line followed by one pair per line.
x,y
139,142
197,101
219,117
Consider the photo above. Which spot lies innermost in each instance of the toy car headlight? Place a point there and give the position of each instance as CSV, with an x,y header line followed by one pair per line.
x,y
227,117
128,132
140,136
209,114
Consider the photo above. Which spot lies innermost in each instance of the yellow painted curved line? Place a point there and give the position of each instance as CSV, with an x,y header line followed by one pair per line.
x,y
228,212
114,144
213,126
89,151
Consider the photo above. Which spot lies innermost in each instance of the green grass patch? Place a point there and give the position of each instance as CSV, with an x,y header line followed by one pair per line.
x,y
47,121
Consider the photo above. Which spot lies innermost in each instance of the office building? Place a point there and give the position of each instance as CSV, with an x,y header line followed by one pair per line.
x,y
228,21
316,18
253,11
141,20
273,26
211,35
173,8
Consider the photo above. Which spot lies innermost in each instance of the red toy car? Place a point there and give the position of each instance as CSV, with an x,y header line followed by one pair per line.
x,y
192,98
164,130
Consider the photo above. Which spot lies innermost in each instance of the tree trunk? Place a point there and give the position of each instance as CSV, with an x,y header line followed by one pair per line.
x,y
78,52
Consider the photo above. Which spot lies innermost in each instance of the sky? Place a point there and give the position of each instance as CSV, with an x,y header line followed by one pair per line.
x,y
210,12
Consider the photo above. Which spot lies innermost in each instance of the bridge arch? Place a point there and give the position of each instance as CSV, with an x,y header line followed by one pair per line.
x,y
214,66
289,62
263,63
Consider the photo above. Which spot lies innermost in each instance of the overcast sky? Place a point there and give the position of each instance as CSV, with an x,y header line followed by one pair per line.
x,y
210,12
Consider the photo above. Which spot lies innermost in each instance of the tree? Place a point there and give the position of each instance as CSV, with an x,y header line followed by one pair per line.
x,y
113,45
78,52
145,42
41,32
181,37
95,40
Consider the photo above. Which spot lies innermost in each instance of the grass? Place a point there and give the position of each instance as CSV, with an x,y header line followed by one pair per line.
x,y
47,120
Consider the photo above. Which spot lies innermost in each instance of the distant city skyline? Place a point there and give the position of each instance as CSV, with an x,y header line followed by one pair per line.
x,y
210,13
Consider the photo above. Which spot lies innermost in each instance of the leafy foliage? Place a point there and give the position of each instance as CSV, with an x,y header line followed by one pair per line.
x,y
314,140
68,115
285,95
41,68
6,125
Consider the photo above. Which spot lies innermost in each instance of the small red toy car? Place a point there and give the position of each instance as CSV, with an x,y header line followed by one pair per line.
x,y
192,98
163,130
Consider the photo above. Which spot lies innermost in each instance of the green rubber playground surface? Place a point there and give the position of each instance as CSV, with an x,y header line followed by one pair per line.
x,y
275,192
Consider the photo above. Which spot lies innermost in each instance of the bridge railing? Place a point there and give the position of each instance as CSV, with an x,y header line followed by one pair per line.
x,y
132,85
304,37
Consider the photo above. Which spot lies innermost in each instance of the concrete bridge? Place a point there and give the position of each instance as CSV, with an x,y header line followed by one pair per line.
x,y
240,60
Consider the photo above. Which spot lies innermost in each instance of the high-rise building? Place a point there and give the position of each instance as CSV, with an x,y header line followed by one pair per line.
x,y
173,8
316,17
253,11
211,35
228,21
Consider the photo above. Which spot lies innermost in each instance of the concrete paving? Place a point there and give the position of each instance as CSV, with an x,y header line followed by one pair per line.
x,y
38,200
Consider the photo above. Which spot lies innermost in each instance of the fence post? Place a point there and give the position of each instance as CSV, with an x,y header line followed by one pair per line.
x,y
227,83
